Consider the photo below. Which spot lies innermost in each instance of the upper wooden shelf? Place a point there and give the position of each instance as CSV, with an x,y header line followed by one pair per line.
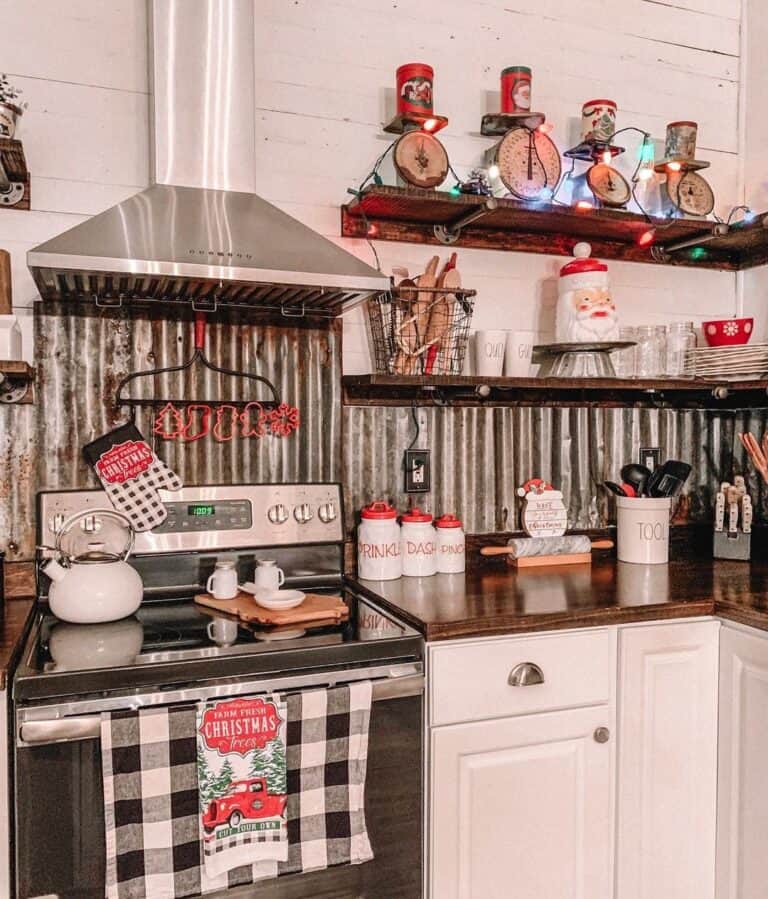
x,y
399,390
410,215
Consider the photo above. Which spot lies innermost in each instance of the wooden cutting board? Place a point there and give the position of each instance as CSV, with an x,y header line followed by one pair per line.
x,y
245,607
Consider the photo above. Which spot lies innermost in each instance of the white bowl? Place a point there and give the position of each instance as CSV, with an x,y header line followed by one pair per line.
x,y
279,600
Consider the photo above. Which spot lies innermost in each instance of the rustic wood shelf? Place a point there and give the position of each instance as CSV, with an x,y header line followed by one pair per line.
x,y
410,215
398,390
15,375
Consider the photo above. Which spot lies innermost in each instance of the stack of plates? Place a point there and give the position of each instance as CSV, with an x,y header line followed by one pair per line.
x,y
729,362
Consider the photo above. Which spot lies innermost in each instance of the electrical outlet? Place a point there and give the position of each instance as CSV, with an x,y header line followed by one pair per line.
x,y
418,471
650,456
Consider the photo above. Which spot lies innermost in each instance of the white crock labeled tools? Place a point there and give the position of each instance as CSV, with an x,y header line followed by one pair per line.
x,y
97,585
418,540
268,577
642,529
378,544
451,545
222,584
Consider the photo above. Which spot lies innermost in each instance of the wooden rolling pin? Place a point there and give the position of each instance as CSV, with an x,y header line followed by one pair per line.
x,y
6,297
527,547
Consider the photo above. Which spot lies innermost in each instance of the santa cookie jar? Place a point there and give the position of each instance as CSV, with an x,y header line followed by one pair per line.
x,y
585,311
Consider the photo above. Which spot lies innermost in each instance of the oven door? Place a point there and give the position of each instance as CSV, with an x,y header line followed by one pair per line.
x,y
59,806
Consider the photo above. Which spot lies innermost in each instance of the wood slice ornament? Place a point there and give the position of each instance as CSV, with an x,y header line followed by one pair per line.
x,y
544,513
420,159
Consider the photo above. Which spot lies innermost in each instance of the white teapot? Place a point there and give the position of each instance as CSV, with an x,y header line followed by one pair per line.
x,y
94,586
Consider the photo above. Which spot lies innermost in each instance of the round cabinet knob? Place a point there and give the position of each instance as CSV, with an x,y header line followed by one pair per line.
x,y
303,513
277,514
602,735
327,513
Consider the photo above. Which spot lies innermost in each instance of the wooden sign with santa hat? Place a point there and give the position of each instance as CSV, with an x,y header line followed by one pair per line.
x,y
586,312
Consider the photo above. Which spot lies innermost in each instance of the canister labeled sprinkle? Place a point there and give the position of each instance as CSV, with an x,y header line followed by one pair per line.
x,y
516,89
598,120
451,545
378,544
414,89
418,540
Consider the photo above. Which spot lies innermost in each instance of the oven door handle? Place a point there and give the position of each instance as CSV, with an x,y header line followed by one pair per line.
x,y
88,727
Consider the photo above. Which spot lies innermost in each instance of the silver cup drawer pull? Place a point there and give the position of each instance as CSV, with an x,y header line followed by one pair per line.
x,y
526,674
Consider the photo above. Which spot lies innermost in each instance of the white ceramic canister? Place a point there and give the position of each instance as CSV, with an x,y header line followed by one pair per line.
x,y
451,545
378,544
418,540
642,529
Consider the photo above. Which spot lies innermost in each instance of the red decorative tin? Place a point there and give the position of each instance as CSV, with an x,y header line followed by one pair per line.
x,y
516,89
414,89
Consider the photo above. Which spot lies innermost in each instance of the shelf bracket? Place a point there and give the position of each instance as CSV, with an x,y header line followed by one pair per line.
x,y
719,229
449,234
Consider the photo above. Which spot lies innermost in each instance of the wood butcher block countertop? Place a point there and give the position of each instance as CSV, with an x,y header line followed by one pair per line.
x,y
14,618
499,600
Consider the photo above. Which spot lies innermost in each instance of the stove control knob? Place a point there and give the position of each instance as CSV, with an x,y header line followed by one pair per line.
x,y
327,513
303,513
277,514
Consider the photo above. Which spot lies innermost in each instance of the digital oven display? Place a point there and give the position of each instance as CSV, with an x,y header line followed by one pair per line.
x,y
201,511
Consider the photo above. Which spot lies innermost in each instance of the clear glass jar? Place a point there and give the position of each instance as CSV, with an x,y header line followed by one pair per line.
x,y
648,352
624,360
681,337
660,335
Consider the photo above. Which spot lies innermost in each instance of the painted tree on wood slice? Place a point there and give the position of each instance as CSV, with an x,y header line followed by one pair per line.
x,y
269,763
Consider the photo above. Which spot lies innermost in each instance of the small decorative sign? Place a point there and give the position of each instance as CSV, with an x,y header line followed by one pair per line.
x,y
544,513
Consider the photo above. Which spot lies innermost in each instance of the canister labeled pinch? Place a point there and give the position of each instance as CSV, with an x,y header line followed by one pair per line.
x,y
516,89
414,89
598,121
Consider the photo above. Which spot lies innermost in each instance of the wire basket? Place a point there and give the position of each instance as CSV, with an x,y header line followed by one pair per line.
x,y
420,331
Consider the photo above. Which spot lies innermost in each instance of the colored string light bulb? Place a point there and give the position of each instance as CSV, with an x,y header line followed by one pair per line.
x,y
647,238
493,171
647,154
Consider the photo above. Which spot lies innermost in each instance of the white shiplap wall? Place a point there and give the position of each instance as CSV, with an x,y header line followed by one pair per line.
x,y
83,69
325,84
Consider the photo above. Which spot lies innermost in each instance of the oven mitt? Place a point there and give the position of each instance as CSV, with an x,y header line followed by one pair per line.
x,y
131,474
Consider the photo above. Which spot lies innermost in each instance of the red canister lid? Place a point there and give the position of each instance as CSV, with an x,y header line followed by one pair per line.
x,y
416,516
378,511
447,521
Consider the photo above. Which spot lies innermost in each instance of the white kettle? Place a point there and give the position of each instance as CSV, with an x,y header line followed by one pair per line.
x,y
95,586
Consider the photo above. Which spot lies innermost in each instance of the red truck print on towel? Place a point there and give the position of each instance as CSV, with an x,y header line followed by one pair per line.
x,y
244,800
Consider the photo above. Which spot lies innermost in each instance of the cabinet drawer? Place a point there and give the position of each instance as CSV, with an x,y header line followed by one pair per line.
x,y
472,681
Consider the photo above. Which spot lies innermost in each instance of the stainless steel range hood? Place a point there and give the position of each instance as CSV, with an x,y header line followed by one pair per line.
x,y
201,235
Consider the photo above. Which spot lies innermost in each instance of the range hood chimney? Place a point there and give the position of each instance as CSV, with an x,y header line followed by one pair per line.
x,y
200,235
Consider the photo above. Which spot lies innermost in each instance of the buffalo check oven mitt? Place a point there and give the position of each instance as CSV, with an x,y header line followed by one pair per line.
x,y
131,474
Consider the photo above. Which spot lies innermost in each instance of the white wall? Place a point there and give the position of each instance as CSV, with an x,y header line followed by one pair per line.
x,y
83,69
325,85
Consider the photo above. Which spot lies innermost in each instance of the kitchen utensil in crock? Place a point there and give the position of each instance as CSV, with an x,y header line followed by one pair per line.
x,y
615,488
94,586
636,475
668,479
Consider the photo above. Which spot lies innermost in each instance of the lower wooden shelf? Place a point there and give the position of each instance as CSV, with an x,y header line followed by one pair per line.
x,y
398,390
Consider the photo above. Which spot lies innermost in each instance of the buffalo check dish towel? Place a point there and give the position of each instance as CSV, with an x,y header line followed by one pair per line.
x,y
327,740
151,803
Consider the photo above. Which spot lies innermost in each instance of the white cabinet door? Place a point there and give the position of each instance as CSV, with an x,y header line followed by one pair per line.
x,y
522,808
5,804
667,762
742,843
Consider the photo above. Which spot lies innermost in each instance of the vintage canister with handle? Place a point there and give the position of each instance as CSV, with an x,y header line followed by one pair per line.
x,y
414,89
598,121
516,89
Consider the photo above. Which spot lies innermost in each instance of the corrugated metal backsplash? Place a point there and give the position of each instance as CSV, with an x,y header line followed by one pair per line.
x,y
81,356
481,455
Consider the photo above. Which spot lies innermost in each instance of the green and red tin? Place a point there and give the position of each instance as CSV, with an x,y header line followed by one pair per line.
x,y
516,89
414,89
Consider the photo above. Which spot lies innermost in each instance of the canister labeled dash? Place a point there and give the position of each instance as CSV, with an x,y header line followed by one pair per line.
x,y
451,545
414,89
516,89
378,544
418,540
642,530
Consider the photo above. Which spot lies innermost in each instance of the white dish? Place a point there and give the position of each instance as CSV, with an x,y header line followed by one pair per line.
x,y
279,600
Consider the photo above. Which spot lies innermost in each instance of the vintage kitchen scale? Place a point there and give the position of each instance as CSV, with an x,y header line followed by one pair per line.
x,y
686,193
419,157
603,181
526,159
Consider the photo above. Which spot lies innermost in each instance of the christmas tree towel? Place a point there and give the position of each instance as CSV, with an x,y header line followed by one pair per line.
x,y
241,770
